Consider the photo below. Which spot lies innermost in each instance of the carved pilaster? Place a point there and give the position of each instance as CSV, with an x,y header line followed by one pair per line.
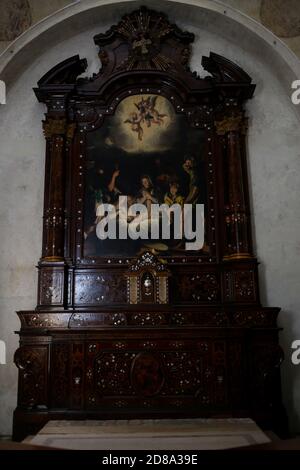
x,y
237,233
58,133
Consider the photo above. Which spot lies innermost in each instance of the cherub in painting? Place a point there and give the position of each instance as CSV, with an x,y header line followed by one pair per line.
x,y
146,113
135,121
152,114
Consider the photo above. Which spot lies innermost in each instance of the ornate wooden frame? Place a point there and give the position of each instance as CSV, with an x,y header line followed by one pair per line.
x,y
214,305
74,108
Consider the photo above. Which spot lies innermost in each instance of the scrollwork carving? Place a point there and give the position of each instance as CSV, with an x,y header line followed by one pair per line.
x,y
148,260
32,365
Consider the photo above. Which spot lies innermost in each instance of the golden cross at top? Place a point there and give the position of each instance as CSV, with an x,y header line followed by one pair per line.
x,y
143,43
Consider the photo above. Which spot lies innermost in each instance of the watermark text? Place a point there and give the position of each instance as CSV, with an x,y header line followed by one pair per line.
x,y
153,221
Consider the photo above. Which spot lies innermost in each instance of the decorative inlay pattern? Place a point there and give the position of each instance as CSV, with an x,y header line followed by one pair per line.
x,y
45,320
51,287
203,286
112,373
97,289
240,285
184,372
244,285
58,320
148,319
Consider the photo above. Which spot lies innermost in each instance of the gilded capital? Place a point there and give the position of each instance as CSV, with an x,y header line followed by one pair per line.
x,y
54,127
232,123
57,126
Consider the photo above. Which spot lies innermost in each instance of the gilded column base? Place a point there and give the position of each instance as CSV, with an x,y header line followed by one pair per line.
x,y
237,256
53,258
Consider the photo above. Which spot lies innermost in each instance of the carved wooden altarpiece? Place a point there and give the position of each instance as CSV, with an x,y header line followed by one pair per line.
x,y
126,330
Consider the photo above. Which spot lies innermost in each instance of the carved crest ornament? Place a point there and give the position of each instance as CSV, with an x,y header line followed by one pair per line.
x,y
148,33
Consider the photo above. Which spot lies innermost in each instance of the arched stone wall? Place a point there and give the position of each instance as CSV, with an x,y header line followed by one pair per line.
x,y
274,164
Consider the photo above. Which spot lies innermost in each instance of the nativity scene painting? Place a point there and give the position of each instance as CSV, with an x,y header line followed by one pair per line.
x,y
149,154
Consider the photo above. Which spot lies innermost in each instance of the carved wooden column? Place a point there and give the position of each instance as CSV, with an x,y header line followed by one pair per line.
x,y
53,271
58,135
53,234
237,243
55,90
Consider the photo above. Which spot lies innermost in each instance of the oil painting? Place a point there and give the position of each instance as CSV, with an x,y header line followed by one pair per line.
x,y
150,154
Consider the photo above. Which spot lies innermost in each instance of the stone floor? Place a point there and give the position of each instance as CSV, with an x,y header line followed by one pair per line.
x,y
179,434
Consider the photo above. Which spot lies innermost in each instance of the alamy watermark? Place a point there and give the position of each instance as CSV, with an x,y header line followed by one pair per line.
x,y
152,221
2,92
295,96
2,352
2,343
296,354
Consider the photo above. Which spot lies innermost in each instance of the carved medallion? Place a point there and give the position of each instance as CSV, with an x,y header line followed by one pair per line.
x,y
146,374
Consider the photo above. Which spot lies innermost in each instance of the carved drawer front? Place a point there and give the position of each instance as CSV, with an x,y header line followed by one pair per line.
x,y
153,374
196,287
99,288
240,286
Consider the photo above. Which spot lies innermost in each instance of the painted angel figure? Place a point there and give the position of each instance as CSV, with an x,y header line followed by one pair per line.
x,y
135,121
146,113
142,108
152,114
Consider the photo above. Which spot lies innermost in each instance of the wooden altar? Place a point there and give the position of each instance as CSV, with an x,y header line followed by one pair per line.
x,y
95,347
